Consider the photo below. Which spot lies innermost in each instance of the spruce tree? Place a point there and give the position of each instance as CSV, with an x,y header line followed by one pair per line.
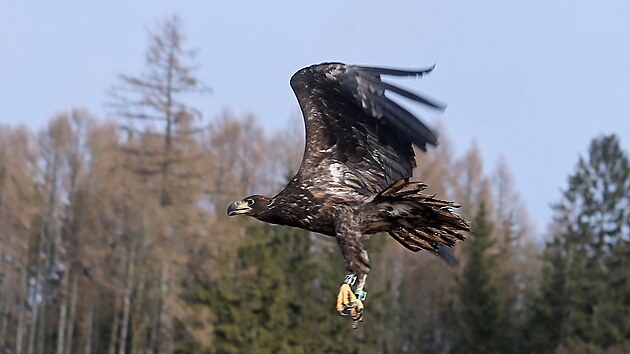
x,y
585,294
250,305
271,303
480,317
545,326
612,226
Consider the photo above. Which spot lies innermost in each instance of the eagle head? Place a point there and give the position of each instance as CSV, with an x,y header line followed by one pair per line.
x,y
254,205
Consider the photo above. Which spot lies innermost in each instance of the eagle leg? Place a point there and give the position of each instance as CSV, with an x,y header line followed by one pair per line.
x,y
357,266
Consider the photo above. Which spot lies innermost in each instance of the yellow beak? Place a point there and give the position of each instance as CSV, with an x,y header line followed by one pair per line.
x,y
238,208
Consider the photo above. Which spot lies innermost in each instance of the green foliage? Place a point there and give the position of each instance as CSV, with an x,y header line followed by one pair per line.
x,y
545,327
257,301
585,293
281,298
481,302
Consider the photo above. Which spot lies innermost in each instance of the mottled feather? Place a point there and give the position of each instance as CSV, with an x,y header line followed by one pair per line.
x,y
354,176
350,120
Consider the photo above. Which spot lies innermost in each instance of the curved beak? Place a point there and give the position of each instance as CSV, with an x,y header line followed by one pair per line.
x,y
238,208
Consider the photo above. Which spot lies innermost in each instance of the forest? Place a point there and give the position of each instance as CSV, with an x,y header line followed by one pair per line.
x,y
114,240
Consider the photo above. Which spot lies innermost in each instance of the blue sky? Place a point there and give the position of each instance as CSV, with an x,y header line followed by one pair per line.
x,y
532,80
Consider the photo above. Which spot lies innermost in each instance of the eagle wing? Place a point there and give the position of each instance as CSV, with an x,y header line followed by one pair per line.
x,y
356,136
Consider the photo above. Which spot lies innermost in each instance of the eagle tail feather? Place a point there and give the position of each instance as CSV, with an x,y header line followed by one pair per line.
x,y
421,221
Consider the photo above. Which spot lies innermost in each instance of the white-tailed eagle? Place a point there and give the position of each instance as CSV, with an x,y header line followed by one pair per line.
x,y
354,178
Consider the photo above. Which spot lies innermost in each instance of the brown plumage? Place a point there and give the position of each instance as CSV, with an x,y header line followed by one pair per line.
x,y
354,177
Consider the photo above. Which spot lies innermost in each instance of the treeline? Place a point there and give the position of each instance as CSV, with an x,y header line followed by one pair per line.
x,y
114,240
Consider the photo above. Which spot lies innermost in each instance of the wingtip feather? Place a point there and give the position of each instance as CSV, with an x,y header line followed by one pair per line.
x,y
397,72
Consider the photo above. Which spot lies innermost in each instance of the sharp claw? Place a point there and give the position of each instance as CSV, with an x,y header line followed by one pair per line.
x,y
356,321
357,314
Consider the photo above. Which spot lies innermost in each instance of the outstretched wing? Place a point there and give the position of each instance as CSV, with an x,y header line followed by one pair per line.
x,y
355,135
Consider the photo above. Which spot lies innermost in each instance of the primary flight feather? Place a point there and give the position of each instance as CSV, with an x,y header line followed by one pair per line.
x,y
354,177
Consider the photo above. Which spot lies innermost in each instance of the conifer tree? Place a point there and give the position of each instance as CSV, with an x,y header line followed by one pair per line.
x,y
271,304
587,274
480,317
545,326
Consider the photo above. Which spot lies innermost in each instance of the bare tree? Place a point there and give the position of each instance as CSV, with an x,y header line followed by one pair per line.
x,y
153,103
473,186
19,205
161,132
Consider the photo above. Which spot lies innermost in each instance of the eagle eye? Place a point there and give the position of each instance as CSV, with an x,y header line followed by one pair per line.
x,y
249,202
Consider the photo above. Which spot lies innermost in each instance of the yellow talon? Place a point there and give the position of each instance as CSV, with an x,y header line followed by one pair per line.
x,y
348,304
346,299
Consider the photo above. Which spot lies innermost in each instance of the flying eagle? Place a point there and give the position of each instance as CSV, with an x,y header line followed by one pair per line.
x,y
354,177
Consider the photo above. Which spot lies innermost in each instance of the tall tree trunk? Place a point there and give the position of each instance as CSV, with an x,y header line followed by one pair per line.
x,y
124,330
19,336
115,325
156,338
8,293
35,303
41,326
140,341
63,313
3,300
48,243
72,315
169,335
87,332
168,116
166,318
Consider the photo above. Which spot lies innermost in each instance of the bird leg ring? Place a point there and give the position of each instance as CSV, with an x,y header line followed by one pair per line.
x,y
349,302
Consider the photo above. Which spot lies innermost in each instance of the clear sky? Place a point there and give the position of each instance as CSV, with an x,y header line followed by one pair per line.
x,y
532,80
